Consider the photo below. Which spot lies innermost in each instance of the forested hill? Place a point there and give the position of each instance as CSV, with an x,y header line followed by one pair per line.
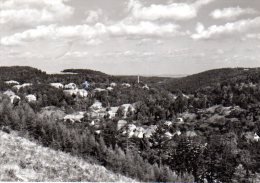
x,y
84,71
22,74
212,77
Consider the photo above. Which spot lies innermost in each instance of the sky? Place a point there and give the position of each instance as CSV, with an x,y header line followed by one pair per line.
x,y
130,37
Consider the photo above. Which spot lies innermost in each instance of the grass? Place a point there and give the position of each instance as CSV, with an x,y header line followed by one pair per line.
x,y
23,160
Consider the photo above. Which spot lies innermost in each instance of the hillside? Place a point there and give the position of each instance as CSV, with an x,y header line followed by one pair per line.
x,y
84,71
23,160
212,77
21,74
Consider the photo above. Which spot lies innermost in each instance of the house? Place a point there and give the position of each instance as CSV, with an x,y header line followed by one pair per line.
x,y
97,132
256,137
99,89
70,92
168,135
82,93
126,85
127,107
17,87
168,123
109,88
76,117
191,134
186,96
149,131
11,95
178,132
180,121
146,87
96,106
140,131
130,130
112,112
57,85
31,98
12,82
77,92
113,84
121,124
70,86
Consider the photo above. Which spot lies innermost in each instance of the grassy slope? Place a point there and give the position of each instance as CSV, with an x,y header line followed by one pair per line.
x,y
23,160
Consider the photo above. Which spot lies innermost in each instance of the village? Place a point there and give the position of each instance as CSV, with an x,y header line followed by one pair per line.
x,y
96,114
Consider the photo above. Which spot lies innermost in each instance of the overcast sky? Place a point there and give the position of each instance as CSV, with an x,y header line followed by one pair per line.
x,y
130,36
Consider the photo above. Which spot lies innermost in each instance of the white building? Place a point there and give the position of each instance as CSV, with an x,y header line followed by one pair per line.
x,y
77,117
256,137
31,98
113,84
126,85
109,88
112,112
96,106
11,95
57,85
77,92
18,87
99,89
70,86
121,124
12,82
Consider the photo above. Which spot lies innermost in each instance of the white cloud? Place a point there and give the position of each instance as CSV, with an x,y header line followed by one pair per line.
x,y
54,32
77,54
253,36
143,28
33,12
90,33
200,27
231,12
229,28
175,11
93,16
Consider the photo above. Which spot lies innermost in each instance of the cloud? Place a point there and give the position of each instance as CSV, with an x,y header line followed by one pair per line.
x,y
77,54
231,12
143,28
227,29
200,27
54,32
93,16
90,33
175,11
253,36
33,12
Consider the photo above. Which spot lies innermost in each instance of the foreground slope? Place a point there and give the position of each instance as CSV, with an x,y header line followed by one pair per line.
x,y
23,160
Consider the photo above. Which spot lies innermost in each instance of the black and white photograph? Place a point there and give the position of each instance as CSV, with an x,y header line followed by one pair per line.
x,y
130,91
